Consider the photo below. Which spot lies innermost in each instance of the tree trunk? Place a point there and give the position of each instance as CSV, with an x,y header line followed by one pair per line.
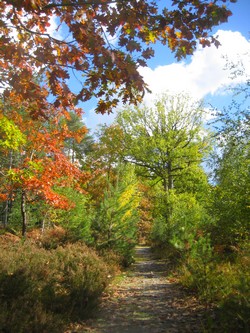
x,y
5,213
165,185
8,204
170,177
170,182
24,214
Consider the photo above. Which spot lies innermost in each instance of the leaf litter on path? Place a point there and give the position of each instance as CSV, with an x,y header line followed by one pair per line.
x,y
146,301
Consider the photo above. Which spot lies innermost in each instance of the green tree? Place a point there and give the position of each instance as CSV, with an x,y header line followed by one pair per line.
x,y
11,139
232,193
77,221
78,147
167,141
231,201
115,225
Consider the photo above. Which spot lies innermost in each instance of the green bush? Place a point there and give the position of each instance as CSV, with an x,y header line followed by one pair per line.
x,y
225,284
160,233
40,290
180,220
234,305
198,268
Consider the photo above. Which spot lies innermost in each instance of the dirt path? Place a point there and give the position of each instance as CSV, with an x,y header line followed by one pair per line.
x,y
146,301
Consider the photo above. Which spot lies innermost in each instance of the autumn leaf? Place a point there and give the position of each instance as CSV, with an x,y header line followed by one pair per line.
x,y
80,43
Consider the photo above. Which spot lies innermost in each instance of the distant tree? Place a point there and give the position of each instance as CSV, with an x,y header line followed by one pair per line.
x,y
167,141
77,147
145,210
11,139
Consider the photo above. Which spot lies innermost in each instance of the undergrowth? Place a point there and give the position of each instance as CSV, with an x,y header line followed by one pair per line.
x,y
223,281
43,289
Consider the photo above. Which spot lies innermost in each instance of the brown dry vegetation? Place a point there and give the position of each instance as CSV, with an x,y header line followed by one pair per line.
x,y
44,287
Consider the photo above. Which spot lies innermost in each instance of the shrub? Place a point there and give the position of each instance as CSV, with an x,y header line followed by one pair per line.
x,y
225,284
198,268
83,278
234,305
40,290
51,238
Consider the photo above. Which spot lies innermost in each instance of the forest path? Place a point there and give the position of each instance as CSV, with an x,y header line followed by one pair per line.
x,y
145,300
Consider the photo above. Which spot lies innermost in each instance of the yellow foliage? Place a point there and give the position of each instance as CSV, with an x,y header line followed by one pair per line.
x,y
129,196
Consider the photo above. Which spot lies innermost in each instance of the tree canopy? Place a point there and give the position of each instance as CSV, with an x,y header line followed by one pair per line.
x,y
102,42
166,141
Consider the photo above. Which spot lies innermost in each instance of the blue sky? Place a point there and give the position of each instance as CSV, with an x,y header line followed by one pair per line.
x,y
239,21
203,75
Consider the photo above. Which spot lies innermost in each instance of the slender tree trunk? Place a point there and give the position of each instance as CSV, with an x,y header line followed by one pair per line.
x,y
8,204
170,177
5,213
24,214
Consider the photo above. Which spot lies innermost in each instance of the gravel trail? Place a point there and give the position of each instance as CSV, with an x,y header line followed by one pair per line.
x,y
146,301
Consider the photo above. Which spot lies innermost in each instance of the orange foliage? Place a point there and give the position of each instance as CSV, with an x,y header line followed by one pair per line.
x,y
42,164
80,43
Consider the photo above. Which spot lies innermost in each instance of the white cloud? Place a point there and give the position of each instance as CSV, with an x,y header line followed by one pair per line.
x,y
93,119
206,73
55,29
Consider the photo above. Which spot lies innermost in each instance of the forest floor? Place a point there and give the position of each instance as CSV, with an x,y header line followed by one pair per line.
x,y
146,300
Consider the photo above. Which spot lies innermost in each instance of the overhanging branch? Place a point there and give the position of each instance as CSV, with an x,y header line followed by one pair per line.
x,y
77,4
